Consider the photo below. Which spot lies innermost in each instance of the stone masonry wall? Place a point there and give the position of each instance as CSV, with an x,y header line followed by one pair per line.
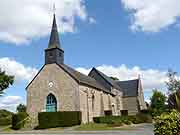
x,y
130,104
65,89
94,107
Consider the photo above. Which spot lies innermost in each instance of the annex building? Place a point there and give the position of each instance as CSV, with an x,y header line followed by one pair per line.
x,y
58,87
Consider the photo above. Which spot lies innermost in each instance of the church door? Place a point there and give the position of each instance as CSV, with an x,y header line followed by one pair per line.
x,y
51,103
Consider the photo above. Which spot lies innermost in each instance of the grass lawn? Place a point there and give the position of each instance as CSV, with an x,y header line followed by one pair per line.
x,y
94,126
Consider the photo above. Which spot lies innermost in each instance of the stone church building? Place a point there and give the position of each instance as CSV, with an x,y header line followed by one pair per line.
x,y
58,87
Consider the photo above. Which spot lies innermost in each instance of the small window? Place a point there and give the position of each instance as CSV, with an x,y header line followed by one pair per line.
x,y
60,54
124,112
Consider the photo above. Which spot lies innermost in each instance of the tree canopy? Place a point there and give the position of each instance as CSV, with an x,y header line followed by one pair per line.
x,y
5,81
173,86
21,108
158,101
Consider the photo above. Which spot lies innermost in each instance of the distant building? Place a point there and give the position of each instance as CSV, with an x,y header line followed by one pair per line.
x,y
58,87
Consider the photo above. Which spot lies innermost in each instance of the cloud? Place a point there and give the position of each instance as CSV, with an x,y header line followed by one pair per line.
x,y
24,20
21,72
151,78
152,15
92,20
10,102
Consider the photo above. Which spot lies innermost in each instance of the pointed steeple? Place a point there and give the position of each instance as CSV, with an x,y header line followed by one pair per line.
x,y
54,38
54,53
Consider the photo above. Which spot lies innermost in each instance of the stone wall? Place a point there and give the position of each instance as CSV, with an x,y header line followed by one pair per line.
x,y
93,103
65,89
130,104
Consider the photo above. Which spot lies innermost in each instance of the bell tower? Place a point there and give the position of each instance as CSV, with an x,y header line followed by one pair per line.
x,y
54,53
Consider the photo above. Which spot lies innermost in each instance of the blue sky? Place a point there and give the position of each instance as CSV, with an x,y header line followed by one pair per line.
x,y
120,38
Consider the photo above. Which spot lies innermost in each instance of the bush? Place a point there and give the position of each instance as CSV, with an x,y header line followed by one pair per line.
x,y
5,118
143,118
168,124
59,119
115,120
18,120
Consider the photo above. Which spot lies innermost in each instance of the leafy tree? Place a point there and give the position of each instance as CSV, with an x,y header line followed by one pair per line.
x,y
114,78
5,81
157,106
21,108
173,85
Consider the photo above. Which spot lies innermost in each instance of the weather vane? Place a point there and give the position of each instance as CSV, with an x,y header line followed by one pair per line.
x,y
54,8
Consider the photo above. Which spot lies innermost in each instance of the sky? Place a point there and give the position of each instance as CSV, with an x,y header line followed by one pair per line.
x,y
121,38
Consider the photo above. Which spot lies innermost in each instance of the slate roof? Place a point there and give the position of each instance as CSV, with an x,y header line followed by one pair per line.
x,y
54,38
108,79
83,79
129,88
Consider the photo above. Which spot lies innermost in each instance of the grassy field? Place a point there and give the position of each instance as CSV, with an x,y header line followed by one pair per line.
x,y
93,126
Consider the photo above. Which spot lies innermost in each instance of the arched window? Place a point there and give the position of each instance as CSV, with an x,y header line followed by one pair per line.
x,y
51,103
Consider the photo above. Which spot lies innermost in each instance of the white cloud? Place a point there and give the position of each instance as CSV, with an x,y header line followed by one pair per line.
x,y
151,78
92,20
23,20
17,69
152,15
10,102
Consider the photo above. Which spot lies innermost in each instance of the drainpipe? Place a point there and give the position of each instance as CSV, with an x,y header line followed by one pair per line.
x,y
87,108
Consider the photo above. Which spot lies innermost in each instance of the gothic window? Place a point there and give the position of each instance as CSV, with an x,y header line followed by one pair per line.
x,y
51,103
93,98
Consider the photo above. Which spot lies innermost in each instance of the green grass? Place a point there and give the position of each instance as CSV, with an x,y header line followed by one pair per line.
x,y
94,126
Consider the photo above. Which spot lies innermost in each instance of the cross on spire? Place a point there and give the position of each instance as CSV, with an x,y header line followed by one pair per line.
x,y
54,8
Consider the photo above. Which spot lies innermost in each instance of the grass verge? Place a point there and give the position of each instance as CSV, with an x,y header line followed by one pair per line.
x,y
94,126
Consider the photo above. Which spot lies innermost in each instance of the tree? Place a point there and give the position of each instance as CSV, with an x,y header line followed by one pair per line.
x,y
5,81
157,105
173,86
21,108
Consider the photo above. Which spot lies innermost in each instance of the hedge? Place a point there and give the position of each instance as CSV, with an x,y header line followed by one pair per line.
x,y
18,120
119,120
6,121
168,124
59,119
5,117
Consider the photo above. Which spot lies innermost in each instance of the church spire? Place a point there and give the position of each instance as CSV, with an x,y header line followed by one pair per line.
x,y
54,38
54,53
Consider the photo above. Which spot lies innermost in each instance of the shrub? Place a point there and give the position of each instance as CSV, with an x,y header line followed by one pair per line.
x,y
115,120
168,124
143,118
18,120
58,119
5,118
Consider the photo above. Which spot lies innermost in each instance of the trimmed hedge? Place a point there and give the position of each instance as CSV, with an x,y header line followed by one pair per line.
x,y
18,120
5,117
167,124
59,119
119,120
5,121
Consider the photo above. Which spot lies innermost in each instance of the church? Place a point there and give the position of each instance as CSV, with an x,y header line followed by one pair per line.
x,y
58,87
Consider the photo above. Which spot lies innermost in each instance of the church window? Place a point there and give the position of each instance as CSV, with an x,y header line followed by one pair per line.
x,y
51,103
